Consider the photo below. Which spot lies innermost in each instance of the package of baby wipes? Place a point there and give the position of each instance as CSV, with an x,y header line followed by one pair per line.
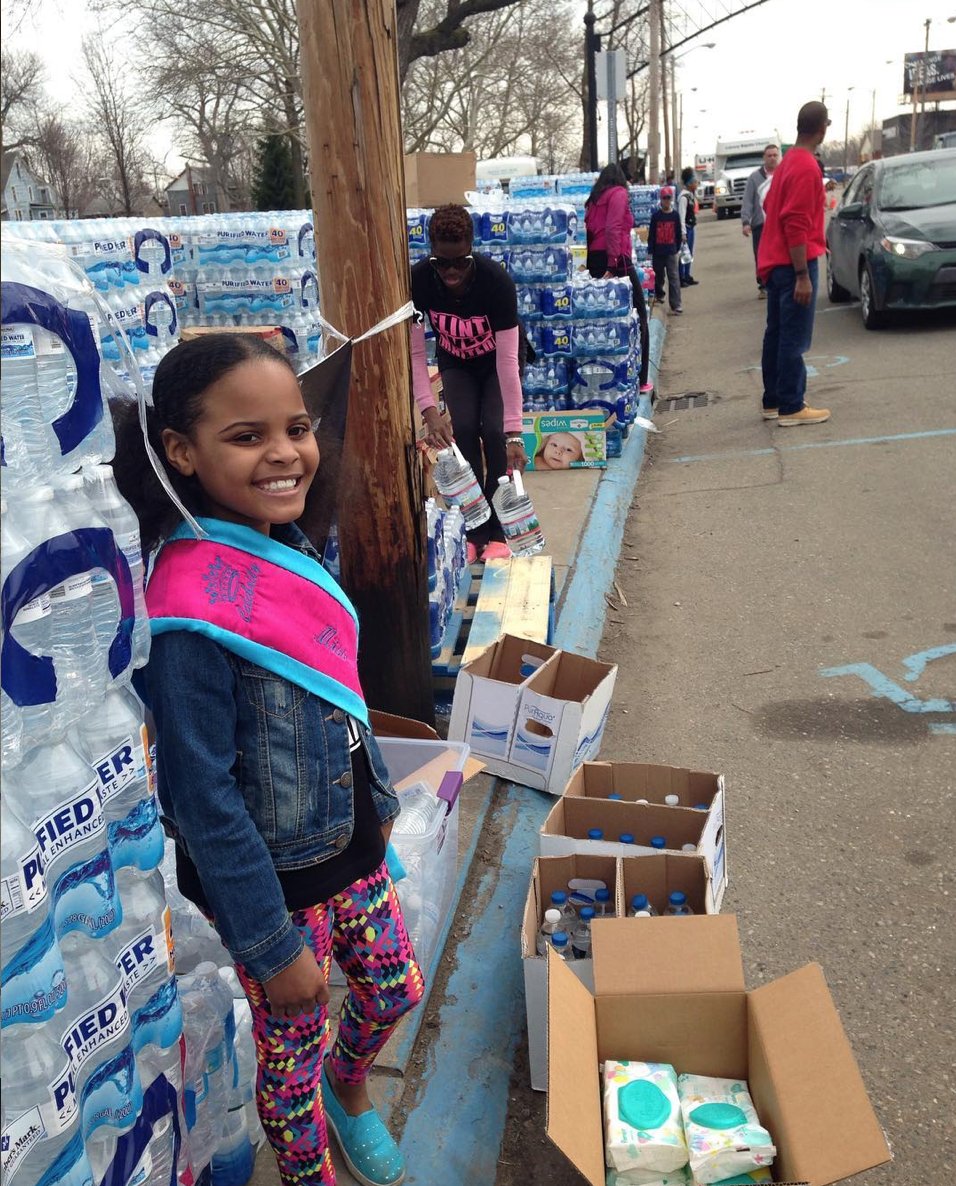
x,y
642,1119
679,1177
724,1135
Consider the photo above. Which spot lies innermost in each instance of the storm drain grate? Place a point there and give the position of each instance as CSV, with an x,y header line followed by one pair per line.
x,y
689,400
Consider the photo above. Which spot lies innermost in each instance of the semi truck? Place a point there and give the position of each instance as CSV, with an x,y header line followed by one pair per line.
x,y
734,161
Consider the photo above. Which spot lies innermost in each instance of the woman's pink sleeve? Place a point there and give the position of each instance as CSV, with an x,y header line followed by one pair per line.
x,y
421,383
614,233
509,379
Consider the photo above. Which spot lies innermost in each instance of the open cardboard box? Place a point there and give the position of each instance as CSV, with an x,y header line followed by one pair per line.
x,y
565,831
531,712
672,990
386,724
641,780
547,875
655,875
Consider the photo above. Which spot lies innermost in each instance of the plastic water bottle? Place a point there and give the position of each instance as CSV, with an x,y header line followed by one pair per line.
x,y
32,627
552,923
626,838
672,800
34,979
57,788
603,907
581,936
204,1087
26,433
141,950
99,1044
520,524
41,1139
458,485
559,901
561,945
234,1160
112,737
677,904
641,905
419,810
658,842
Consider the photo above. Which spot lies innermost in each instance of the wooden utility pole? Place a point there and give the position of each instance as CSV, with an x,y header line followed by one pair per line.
x,y
350,83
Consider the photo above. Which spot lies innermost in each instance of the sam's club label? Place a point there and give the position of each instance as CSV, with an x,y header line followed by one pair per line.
x,y
25,889
39,1123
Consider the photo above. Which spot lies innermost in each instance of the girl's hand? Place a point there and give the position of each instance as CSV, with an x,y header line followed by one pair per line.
x,y
439,434
299,988
517,458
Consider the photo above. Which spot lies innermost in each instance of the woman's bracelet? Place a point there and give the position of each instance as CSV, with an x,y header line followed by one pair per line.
x,y
514,441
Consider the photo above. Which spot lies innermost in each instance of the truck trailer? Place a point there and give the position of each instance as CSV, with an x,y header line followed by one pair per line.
x,y
734,161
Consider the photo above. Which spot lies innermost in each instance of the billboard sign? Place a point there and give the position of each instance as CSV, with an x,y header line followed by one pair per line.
x,y
931,74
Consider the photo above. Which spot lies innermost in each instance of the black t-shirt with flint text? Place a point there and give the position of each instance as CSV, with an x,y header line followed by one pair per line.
x,y
465,325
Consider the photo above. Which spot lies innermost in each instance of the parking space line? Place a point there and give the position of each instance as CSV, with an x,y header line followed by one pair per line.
x,y
732,454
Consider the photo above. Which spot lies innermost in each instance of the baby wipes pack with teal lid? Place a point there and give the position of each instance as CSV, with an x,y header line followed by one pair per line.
x,y
642,1118
724,1134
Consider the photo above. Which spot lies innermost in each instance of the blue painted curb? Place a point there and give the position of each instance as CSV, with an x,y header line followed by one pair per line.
x,y
455,1126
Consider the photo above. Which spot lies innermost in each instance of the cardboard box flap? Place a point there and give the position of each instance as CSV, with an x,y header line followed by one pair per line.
x,y
575,1123
386,724
828,1128
653,955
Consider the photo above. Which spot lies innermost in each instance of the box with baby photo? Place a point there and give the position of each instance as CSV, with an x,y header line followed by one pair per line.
x,y
565,440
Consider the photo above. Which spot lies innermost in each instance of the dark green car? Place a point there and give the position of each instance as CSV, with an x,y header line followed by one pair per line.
x,y
892,240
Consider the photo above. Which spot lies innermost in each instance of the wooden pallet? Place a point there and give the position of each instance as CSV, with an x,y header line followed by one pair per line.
x,y
513,596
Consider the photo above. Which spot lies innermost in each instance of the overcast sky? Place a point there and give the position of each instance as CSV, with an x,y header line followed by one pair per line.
x,y
765,63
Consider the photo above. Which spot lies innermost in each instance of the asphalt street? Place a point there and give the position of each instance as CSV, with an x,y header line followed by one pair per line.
x,y
791,622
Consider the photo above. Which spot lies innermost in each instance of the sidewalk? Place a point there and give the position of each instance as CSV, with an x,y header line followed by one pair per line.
x,y
443,1077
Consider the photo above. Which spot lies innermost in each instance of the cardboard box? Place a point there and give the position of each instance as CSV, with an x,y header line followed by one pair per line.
x,y
657,876
437,178
530,712
566,828
696,789
565,440
549,874
672,990
269,333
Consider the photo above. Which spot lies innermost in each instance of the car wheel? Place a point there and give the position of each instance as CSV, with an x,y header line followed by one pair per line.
x,y
873,318
721,213
836,292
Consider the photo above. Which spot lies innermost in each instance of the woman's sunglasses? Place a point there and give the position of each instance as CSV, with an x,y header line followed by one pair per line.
x,y
457,263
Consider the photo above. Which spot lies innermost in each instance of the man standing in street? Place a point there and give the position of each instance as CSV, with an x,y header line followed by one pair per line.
x,y
790,246
751,212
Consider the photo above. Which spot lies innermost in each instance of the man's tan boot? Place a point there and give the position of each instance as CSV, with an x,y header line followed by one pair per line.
x,y
806,415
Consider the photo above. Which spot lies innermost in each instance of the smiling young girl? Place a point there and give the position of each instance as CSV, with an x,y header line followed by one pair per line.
x,y
270,780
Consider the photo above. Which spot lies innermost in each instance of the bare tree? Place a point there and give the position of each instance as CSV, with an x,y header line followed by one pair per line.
x,y
511,88
21,87
120,125
64,155
444,29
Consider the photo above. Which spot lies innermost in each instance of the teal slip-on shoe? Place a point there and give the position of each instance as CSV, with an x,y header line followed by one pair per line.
x,y
367,1146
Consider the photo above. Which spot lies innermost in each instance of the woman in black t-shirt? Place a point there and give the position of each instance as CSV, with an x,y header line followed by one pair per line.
x,y
473,308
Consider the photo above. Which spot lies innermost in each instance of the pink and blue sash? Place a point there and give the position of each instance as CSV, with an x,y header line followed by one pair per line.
x,y
265,602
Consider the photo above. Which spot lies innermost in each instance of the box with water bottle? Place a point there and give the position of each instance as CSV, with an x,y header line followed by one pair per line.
x,y
569,884
675,993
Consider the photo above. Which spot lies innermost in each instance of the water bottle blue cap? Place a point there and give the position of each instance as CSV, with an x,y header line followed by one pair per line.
x,y
702,807
658,842
559,938
677,898
587,912
626,838
615,795
639,902
602,895
559,896
595,834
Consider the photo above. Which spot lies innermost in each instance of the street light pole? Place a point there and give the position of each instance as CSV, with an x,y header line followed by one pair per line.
x,y
846,131
592,43
654,97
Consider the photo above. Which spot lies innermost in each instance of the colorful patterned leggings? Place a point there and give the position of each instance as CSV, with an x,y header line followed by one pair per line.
x,y
364,929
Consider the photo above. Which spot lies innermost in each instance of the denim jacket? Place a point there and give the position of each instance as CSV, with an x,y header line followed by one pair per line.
x,y
254,775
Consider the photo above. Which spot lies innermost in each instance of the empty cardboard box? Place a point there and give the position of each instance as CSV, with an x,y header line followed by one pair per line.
x,y
437,178
530,712
672,990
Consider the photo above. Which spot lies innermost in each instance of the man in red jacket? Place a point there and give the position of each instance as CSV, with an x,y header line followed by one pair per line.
x,y
790,246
